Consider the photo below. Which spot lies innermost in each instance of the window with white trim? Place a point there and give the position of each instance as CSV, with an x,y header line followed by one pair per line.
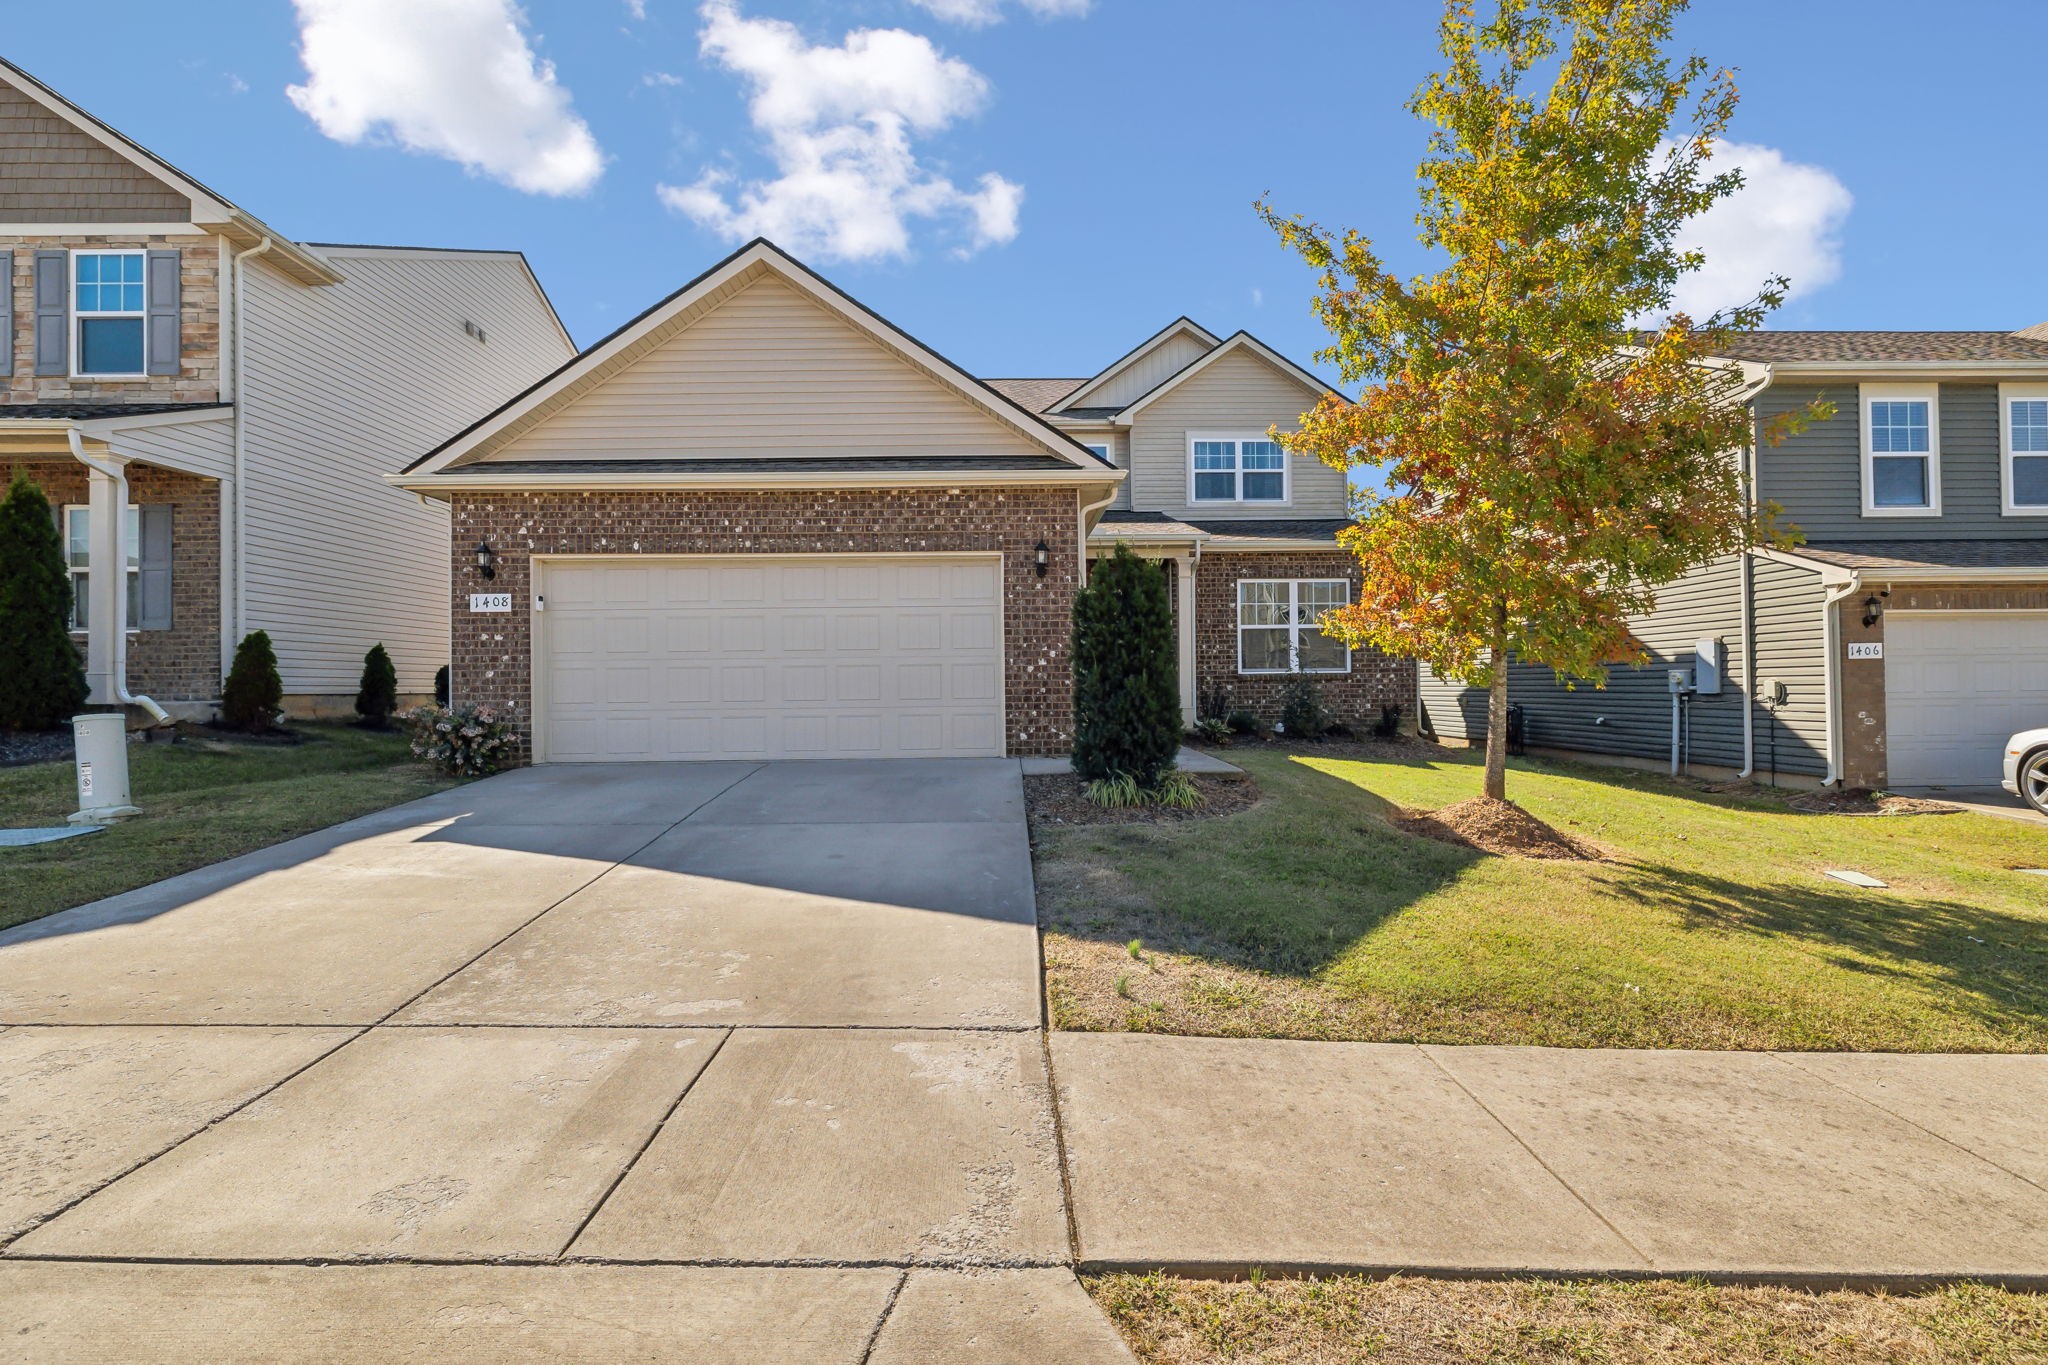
x,y
78,557
1279,625
1103,449
2025,443
1235,468
1901,451
108,316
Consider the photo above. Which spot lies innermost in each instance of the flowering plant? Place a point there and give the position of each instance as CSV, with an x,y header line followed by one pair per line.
x,y
466,740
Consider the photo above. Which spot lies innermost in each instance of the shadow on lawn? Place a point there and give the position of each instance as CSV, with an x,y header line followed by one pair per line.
x,y
1996,963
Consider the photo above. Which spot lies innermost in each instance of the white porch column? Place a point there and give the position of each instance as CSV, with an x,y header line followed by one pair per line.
x,y
1184,604
106,604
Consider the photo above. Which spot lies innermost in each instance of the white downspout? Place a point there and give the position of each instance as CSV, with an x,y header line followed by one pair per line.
x,y
240,496
1751,475
106,565
1081,525
1832,669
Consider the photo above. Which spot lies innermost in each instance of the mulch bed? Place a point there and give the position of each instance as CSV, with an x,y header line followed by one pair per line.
x,y
1057,799
1499,827
19,747
1864,801
276,738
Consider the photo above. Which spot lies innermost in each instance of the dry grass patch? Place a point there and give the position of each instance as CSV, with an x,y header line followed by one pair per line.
x,y
1408,1321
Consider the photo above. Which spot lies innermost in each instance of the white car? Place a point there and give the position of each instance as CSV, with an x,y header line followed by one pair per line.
x,y
2026,768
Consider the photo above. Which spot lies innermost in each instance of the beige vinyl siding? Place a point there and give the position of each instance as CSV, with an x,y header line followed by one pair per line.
x,y
1119,450
206,448
1237,393
1146,372
341,385
768,373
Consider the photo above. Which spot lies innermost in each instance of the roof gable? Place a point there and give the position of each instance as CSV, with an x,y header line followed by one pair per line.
x,y
1173,347
1239,345
758,358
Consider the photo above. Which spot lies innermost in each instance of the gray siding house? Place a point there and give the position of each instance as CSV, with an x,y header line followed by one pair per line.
x,y
1903,641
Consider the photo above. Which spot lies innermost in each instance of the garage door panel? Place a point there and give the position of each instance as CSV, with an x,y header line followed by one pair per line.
x,y
769,659
1957,685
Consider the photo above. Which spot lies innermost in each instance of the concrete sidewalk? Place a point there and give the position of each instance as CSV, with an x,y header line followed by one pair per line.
x,y
1214,1156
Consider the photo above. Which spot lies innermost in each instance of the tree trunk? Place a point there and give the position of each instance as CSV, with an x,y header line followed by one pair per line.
x,y
1497,720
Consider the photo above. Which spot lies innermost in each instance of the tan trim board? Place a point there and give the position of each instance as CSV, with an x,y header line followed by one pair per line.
x,y
483,481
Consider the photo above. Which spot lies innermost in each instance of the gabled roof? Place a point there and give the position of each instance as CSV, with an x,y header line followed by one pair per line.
x,y
1182,325
210,209
642,333
1236,342
1034,395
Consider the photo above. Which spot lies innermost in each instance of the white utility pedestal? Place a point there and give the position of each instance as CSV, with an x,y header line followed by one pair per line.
x,y
101,740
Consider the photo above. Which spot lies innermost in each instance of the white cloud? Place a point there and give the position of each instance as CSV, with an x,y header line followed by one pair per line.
x,y
981,13
1783,221
450,78
661,78
840,123
636,9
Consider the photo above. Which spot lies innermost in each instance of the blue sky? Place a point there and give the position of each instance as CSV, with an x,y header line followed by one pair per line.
x,y
1067,176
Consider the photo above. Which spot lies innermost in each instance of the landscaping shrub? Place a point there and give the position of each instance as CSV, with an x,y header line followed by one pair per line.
x,y
42,682
1212,730
467,740
1303,715
377,693
441,685
1127,715
1242,723
250,699
1389,723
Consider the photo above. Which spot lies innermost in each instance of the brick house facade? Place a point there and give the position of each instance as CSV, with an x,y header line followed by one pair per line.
x,y
493,654
181,663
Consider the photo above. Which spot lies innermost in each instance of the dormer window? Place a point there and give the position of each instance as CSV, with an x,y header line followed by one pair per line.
x,y
1236,469
109,316
1901,451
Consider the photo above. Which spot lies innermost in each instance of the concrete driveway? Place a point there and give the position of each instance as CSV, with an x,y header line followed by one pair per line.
x,y
705,1061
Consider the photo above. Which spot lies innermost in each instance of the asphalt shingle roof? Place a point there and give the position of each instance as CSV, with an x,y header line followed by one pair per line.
x,y
86,411
1034,395
882,464
1856,347
1880,555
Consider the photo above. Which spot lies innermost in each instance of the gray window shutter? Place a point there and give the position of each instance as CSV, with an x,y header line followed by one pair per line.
x,y
53,312
7,311
162,278
156,568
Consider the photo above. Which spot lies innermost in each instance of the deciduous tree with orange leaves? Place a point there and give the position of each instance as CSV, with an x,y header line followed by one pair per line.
x,y
1552,442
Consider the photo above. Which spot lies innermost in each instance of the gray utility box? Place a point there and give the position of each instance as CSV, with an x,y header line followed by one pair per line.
x,y
101,740
1710,667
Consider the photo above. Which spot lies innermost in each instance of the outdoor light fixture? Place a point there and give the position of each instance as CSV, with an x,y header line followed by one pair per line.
x,y
1873,610
484,557
1042,558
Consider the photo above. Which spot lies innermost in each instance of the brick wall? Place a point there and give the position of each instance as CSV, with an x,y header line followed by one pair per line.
x,y
1355,698
198,378
492,661
182,663
1864,718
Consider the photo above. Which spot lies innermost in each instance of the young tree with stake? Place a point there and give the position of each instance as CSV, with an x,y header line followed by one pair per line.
x,y
1548,460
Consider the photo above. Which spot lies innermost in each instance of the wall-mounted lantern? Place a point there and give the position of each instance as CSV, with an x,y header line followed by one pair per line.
x,y
1042,558
484,560
1873,610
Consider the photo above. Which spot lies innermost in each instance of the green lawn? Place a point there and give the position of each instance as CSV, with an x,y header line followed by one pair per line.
x,y
202,800
1352,1321
1310,916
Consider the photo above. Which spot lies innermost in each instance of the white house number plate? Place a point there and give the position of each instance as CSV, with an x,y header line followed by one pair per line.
x,y
1866,651
490,601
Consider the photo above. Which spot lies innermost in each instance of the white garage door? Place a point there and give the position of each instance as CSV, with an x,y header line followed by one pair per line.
x,y
766,657
1957,686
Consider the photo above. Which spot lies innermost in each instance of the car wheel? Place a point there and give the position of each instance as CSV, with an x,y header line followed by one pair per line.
x,y
2034,780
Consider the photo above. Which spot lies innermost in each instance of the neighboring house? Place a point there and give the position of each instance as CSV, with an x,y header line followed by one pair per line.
x,y
1905,639
759,521
211,406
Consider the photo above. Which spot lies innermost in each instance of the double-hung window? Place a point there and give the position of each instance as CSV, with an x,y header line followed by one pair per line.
x,y
109,317
1279,625
2023,409
1901,451
1236,468
78,555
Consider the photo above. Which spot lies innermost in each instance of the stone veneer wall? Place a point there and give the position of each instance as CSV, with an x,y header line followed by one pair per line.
x,y
493,655
1864,760
1355,698
182,663
198,377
